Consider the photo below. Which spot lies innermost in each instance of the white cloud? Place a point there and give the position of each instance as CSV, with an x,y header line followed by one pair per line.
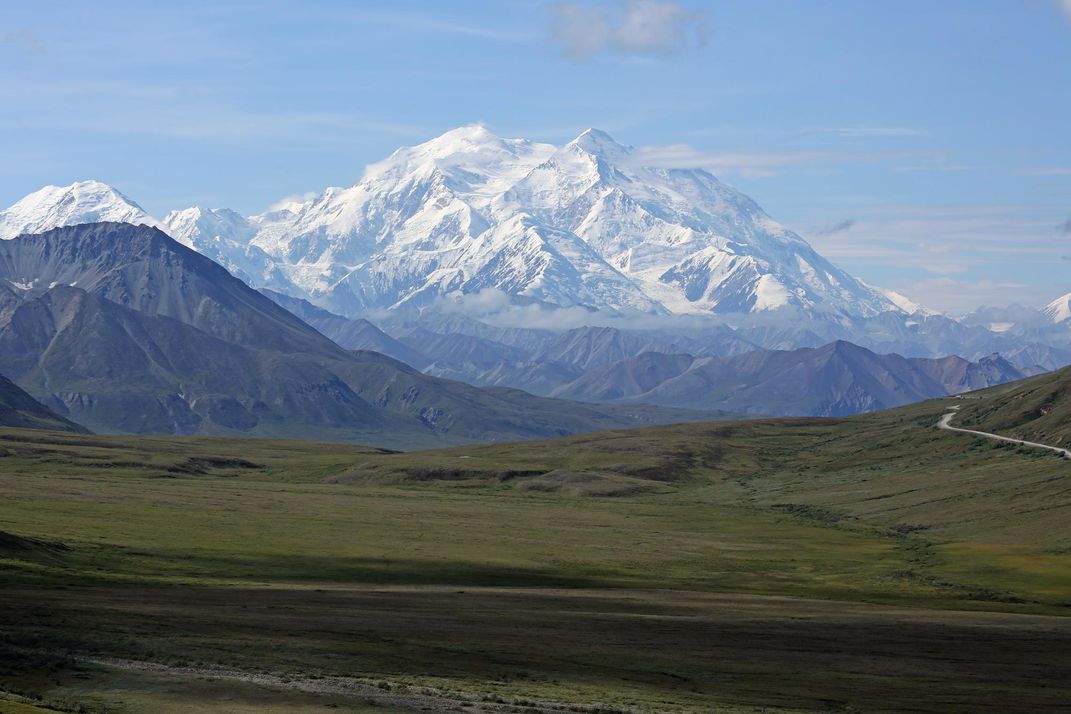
x,y
150,116
1065,5
744,163
293,201
638,27
761,163
496,307
650,27
581,31
943,240
953,296
438,25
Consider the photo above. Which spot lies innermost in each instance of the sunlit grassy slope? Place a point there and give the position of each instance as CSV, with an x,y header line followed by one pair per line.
x,y
1037,409
872,563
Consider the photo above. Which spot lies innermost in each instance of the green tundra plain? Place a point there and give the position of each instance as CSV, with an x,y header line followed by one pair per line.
x,y
871,563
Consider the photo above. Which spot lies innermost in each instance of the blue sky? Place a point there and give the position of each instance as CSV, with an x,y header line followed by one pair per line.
x,y
924,146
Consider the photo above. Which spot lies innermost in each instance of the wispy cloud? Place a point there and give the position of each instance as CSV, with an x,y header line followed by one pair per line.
x,y
943,240
1065,5
434,24
957,296
173,44
811,133
641,28
293,200
1045,170
744,163
861,132
496,307
835,228
225,123
1065,227
759,164
25,40
934,165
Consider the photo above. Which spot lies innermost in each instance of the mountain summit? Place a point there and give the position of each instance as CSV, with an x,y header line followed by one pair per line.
x,y
583,225
58,206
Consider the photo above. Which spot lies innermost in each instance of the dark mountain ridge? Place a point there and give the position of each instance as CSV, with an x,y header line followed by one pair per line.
x,y
18,409
352,334
122,328
833,380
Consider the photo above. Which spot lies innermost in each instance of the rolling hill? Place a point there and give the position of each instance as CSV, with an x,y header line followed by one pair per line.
x,y
1037,409
18,409
870,563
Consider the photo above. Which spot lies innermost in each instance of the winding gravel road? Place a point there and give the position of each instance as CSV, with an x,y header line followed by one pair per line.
x,y
946,423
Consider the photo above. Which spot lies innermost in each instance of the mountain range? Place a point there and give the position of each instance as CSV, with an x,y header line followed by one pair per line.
x,y
507,230
605,364
837,379
581,225
571,271
122,329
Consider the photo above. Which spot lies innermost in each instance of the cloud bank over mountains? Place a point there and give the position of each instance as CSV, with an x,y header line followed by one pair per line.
x,y
636,28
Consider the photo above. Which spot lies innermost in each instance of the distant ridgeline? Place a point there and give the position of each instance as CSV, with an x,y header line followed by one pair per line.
x,y
573,272
512,232
123,329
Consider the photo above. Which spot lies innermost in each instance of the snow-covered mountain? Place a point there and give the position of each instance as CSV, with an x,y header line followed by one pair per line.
x,y
581,225
584,224
495,223
58,206
1059,310
226,237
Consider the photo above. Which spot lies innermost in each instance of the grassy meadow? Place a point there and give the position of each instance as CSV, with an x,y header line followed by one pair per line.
x,y
863,564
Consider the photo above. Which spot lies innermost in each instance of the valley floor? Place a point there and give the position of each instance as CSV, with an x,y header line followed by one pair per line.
x,y
866,564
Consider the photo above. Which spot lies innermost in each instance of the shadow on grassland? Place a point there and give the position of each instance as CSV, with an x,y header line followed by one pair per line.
x,y
679,647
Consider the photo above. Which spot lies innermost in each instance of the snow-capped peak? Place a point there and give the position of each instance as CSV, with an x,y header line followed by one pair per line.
x,y
188,225
905,303
472,135
474,145
1059,310
472,159
80,202
598,143
469,211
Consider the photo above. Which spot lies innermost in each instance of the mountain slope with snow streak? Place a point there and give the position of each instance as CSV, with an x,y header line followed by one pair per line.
x,y
581,225
585,226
